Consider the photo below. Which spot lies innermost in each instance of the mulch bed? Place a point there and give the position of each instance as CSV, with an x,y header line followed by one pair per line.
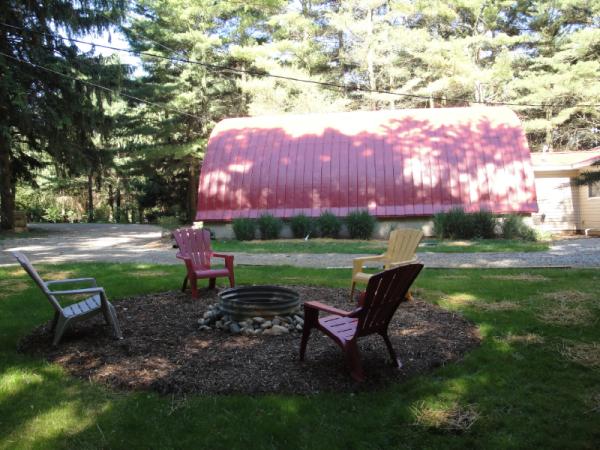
x,y
164,351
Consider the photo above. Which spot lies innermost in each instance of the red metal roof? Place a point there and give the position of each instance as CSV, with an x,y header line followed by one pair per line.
x,y
394,163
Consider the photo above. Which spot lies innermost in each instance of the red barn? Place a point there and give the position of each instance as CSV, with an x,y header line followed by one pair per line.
x,y
399,165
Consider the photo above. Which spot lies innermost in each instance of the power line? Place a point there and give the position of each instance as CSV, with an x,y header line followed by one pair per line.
x,y
99,86
282,77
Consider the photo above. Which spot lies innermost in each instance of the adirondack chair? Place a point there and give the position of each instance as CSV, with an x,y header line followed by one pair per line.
x,y
195,251
385,291
400,251
63,317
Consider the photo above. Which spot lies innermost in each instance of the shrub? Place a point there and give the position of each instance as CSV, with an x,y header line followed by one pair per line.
x,y
513,227
484,223
457,224
454,224
244,229
329,224
301,226
166,222
269,226
360,224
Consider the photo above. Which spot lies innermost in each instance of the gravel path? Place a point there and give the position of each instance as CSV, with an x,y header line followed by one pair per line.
x,y
141,243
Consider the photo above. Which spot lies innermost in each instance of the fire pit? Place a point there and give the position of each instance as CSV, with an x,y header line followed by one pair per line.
x,y
258,301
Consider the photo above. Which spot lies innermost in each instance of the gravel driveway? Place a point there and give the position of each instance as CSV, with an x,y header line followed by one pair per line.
x,y
142,243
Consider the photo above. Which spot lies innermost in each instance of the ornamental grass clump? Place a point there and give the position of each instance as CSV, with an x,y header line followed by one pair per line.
x,y
513,227
360,224
244,229
301,225
329,225
269,226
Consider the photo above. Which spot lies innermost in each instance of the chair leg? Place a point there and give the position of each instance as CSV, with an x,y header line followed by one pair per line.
x,y
185,282
111,317
352,291
212,283
305,335
395,360
231,279
54,321
353,360
61,326
311,319
194,286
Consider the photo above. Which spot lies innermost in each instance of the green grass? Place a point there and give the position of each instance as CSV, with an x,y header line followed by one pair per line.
x,y
375,246
528,395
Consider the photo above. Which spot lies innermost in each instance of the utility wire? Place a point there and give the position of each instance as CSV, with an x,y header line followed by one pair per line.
x,y
282,77
104,88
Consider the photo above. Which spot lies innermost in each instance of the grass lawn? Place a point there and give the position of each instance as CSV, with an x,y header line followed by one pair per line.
x,y
533,383
374,246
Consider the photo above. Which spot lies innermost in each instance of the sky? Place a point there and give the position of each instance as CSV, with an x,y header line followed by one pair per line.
x,y
112,38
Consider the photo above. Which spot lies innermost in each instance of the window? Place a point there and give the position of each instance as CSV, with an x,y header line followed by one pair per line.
x,y
594,189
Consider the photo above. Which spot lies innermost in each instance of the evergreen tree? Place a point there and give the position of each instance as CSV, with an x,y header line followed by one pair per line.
x,y
40,111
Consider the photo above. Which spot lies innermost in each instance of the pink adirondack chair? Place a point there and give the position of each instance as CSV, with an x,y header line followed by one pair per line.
x,y
385,291
195,250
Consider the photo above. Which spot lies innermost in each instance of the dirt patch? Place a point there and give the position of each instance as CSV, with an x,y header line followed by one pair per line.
x,y
526,339
519,277
164,351
571,296
564,315
453,418
497,306
586,354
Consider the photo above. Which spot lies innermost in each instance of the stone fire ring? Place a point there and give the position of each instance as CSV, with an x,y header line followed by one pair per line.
x,y
258,301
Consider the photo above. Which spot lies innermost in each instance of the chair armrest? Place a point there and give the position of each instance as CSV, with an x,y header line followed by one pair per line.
x,y
358,263
72,280
401,263
180,256
228,260
326,308
94,290
222,255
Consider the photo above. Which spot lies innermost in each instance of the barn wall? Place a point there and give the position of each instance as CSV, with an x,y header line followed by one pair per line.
x,y
590,209
558,202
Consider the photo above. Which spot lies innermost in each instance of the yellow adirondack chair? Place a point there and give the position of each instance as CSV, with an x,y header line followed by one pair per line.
x,y
401,251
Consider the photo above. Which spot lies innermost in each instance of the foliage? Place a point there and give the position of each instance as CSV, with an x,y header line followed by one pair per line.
x,y
457,224
454,224
360,224
301,226
484,224
244,229
513,227
329,225
168,222
269,226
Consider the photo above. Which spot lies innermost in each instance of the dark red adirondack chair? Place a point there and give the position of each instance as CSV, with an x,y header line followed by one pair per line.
x,y
385,291
194,249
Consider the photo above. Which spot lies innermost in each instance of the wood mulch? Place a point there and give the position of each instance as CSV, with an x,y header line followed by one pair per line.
x,y
164,351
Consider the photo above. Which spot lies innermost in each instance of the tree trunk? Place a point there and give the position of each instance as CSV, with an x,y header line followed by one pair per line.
x,y
118,204
7,187
192,189
90,193
370,59
111,205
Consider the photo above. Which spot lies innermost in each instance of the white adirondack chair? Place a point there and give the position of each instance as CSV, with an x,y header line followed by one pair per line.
x,y
96,304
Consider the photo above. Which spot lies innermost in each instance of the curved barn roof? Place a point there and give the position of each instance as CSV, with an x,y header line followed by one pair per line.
x,y
395,163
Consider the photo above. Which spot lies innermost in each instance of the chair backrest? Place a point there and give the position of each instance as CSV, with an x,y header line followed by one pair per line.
x,y
403,244
35,276
195,244
385,291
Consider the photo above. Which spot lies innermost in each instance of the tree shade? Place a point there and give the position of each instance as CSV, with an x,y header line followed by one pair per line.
x,y
399,163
